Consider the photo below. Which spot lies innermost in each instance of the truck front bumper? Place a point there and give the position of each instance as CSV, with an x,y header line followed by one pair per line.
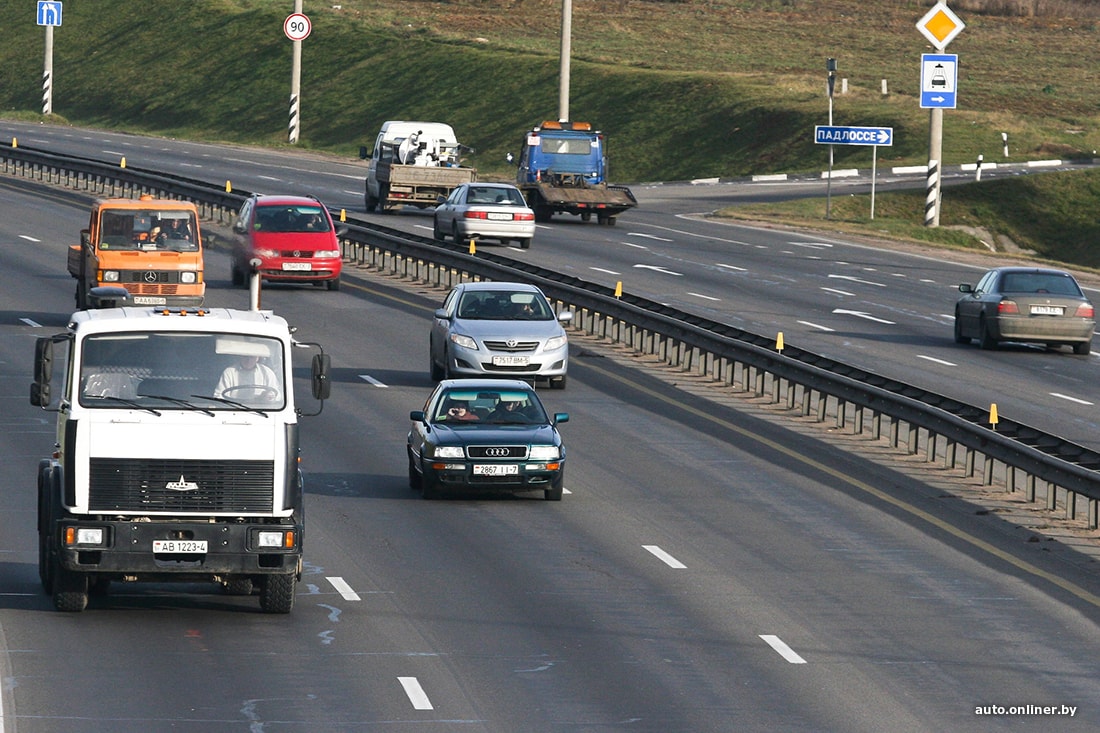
x,y
179,550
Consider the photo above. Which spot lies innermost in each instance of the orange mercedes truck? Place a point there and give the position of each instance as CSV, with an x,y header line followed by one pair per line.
x,y
150,247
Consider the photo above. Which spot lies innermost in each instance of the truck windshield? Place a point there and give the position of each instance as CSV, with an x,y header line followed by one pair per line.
x,y
159,230
182,371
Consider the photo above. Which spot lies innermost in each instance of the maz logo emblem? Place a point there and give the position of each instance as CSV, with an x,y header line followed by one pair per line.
x,y
182,485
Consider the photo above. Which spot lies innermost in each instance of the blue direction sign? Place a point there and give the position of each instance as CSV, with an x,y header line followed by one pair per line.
x,y
49,12
827,135
939,75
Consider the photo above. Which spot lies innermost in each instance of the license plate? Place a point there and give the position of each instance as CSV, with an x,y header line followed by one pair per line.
x,y
496,470
510,361
180,547
497,216
149,300
1047,310
298,266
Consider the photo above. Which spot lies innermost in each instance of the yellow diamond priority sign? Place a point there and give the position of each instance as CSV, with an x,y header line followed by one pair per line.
x,y
940,25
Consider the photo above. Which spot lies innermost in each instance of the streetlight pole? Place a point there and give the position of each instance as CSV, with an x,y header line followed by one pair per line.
x,y
830,68
566,51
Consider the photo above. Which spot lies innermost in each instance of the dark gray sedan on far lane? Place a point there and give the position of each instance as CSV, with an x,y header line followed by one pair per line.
x,y
1025,304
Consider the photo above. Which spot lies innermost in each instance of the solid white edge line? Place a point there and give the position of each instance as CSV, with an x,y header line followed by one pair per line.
x,y
664,557
417,696
344,589
784,651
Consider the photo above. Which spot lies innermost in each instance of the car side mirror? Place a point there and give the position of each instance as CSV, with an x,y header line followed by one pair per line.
x,y
565,317
441,314
964,288
560,417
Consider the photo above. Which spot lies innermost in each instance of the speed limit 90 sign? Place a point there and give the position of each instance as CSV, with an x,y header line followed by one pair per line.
x,y
297,26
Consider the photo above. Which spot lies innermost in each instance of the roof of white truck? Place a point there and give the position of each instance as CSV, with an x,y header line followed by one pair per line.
x,y
401,129
108,320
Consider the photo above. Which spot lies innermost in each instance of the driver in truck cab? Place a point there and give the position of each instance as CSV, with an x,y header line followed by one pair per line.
x,y
248,380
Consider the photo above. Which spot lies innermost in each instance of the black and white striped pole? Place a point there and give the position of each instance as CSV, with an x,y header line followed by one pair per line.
x,y
49,15
297,28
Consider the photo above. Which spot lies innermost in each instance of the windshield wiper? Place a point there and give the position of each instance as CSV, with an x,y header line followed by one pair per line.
x,y
178,401
232,403
122,400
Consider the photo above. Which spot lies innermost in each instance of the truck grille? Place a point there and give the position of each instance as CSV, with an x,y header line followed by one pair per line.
x,y
208,487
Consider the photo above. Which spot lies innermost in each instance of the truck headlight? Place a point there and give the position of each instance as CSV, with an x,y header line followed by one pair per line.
x,y
189,278
544,453
84,536
277,539
110,276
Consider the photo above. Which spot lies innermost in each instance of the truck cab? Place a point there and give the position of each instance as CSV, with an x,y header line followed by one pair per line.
x,y
413,163
150,247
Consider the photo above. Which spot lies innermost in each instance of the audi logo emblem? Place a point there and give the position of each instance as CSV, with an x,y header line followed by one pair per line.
x,y
150,277
496,452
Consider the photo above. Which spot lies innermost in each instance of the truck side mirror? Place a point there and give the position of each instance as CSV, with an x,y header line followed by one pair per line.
x,y
43,372
363,152
319,378
85,238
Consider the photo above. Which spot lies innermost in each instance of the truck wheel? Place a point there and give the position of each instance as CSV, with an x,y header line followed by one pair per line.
x,y
605,219
238,586
370,201
277,593
81,296
543,213
45,522
70,590
380,204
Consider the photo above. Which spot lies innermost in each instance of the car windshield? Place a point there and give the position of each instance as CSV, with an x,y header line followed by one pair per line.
x,y
503,305
290,218
162,230
173,370
1040,282
497,407
495,195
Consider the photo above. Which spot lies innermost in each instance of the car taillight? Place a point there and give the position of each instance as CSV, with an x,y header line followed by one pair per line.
x,y
1085,310
475,215
1007,306
523,217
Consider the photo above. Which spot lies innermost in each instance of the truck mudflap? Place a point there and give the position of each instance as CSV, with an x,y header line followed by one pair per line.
x,y
604,201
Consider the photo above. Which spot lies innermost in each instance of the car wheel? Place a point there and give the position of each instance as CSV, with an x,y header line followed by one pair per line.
x,y
558,382
333,284
553,494
429,487
434,370
415,481
959,338
1082,348
524,243
454,234
985,338
236,275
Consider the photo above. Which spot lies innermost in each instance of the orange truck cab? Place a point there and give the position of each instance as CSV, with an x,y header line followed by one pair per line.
x,y
151,247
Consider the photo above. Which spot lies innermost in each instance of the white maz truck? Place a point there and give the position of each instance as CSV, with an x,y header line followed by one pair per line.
x,y
177,452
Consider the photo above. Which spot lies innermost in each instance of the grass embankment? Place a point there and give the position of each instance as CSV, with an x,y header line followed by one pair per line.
x,y
687,89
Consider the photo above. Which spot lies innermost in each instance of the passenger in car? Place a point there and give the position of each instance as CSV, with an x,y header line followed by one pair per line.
x,y
459,411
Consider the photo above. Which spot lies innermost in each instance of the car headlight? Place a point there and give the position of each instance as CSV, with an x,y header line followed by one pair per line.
x,y
266,253
556,343
464,341
447,451
110,276
544,453
188,277
327,253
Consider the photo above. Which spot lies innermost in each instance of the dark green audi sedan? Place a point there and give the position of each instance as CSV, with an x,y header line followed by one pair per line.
x,y
485,435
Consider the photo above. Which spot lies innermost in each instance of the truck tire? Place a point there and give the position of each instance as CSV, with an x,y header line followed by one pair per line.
x,y
277,593
605,219
369,201
543,213
380,204
81,296
239,585
70,590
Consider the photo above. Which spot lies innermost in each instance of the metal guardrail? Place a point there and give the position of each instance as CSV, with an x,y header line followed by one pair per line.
x,y
910,418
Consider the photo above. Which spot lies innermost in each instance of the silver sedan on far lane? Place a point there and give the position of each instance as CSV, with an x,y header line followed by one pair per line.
x,y
485,211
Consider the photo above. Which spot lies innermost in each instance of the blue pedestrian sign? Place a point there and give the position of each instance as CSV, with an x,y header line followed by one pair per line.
x,y
49,12
939,74
827,135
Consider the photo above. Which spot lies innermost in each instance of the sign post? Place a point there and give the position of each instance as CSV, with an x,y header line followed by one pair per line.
x,y
297,28
49,15
873,136
940,26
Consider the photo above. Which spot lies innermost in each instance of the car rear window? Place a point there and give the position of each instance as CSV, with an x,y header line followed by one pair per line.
x,y
1040,282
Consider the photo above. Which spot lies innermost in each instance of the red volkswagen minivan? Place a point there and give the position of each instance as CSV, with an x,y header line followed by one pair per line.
x,y
293,237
